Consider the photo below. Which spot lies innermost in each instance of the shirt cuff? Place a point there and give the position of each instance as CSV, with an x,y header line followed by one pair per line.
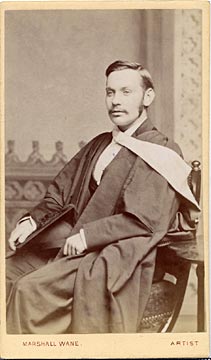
x,y
83,238
32,222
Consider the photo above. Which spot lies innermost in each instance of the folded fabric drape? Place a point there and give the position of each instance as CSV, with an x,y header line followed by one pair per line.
x,y
162,159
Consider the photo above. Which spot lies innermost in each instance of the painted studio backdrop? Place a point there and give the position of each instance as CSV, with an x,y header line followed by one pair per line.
x,y
55,62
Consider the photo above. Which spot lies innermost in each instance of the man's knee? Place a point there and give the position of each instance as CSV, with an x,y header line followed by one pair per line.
x,y
18,287
25,283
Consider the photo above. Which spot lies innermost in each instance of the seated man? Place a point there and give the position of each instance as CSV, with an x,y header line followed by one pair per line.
x,y
89,264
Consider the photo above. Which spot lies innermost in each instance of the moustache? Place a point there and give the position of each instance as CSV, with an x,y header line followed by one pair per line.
x,y
113,110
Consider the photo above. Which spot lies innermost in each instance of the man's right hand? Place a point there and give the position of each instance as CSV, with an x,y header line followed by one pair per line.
x,y
22,230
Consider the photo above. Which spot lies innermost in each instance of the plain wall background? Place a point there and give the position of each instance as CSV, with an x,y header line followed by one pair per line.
x,y
55,62
55,65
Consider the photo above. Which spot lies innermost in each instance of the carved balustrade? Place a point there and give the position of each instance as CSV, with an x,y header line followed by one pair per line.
x,y
26,181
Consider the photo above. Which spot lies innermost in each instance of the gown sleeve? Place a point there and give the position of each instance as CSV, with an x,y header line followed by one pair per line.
x,y
144,210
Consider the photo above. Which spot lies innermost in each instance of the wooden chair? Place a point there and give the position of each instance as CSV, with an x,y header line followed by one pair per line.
x,y
172,273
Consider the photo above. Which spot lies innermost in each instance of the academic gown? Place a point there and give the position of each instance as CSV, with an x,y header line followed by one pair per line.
x,y
106,289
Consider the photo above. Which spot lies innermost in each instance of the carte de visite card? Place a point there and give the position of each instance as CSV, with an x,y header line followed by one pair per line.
x,y
124,272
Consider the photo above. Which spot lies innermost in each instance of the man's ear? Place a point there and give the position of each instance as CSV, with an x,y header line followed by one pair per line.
x,y
148,97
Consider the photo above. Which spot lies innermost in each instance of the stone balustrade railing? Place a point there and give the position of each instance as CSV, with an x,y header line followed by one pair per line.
x,y
26,181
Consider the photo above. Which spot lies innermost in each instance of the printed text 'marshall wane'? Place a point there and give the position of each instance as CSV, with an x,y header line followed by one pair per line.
x,y
50,343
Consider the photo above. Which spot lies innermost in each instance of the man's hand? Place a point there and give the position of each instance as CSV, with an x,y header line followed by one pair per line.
x,y
21,232
74,245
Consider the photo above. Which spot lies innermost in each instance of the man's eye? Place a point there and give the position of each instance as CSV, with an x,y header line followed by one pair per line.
x,y
109,93
126,92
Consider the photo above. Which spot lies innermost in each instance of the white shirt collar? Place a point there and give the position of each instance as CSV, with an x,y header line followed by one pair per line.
x,y
134,126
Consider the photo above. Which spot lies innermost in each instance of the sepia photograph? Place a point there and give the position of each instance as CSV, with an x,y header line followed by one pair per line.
x,y
105,185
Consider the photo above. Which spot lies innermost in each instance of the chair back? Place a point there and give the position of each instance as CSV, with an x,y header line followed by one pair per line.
x,y
166,298
194,179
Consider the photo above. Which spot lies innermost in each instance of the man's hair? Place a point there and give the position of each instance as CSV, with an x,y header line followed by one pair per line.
x,y
123,65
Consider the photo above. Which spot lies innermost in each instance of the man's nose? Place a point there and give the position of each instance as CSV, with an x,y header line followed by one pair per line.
x,y
116,99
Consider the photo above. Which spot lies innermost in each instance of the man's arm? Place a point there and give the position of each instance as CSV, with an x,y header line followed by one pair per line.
x,y
57,192
52,203
160,214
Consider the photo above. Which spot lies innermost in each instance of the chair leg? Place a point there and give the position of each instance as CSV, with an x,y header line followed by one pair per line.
x,y
180,290
200,304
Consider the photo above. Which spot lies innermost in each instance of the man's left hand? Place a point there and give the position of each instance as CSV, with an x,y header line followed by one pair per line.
x,y
74,245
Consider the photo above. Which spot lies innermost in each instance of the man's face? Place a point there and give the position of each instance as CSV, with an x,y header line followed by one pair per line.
x,y
124,97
